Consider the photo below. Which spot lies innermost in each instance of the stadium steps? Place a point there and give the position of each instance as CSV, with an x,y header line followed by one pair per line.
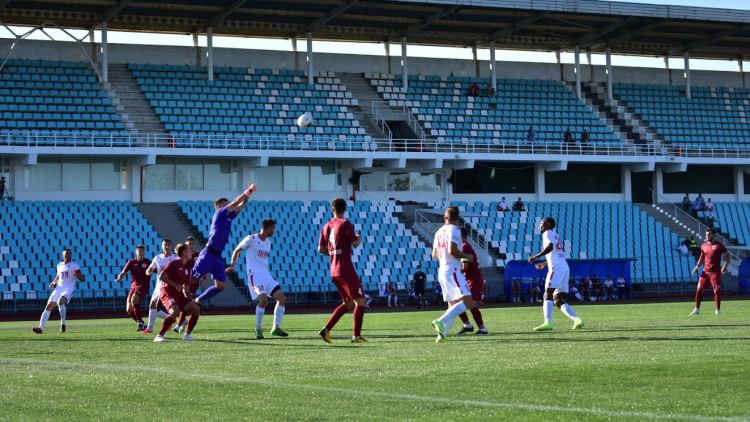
x,y
131,103
365,95
171,223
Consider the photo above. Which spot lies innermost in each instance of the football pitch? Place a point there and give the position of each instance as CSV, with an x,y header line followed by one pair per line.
x,y
631,362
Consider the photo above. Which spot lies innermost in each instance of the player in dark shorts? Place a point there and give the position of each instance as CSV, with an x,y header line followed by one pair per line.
x,y
139,284
176,295
420,283
711,253
337,238
190,243
476,286
210,265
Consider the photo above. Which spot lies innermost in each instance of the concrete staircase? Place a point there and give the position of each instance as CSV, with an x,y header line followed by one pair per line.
x,y
171,223
136,112
366,95
625,121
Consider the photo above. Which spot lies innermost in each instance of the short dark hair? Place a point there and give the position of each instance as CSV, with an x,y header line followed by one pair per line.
x,y
67,250
339,205
220,200
180,248
550,222
166,241
268,222
464,231
453,213
140,247
189,238
712,231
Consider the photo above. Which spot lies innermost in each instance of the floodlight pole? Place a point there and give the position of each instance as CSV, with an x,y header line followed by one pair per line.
x,y
577,55
686,57
310,77
210,52
477,71
742,71
197,48
387,45
404,68
493,67
105,54
296,53
608,55
591,65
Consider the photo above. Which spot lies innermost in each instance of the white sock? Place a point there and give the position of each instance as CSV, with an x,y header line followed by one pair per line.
x,y
278,314
259,313
63,313
151,318
449,317
43,320
568,311
389,300
162,314
547,307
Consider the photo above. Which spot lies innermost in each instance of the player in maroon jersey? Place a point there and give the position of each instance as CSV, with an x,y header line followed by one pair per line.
x,y
139,284
476,286
190,242
337,240
711,253
176,294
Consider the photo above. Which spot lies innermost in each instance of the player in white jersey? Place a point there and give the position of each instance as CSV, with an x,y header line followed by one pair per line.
x,y
261,283
558,273
446,248
158,264
64,284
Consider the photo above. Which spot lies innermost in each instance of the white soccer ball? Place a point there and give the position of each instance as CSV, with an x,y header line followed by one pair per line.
x,y
305,120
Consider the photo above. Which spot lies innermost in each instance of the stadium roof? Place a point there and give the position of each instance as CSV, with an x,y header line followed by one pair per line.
x,y
628,28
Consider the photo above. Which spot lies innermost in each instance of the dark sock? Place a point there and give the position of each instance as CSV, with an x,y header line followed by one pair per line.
x,y
477,317
698,298
359,316
168,321
191,322
137,313
336,316
464,318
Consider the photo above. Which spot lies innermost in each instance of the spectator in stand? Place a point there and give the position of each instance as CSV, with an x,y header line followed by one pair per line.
x,y
519,205
531,135
585,289
709,210
490,91
502,206
392,294
694,249
420,282
568,139
535,290
700,200
622,287
474,90
697,205
684,247
585,137
2,189
687,203
516,291
609,288
573,286
596,287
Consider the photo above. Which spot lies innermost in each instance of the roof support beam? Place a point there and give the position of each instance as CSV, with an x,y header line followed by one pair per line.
x,y
711,39
590,39
220,17
522,24
627,36
323,20
111,12
429,20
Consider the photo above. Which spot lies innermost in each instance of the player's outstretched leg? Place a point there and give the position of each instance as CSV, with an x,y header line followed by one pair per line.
x,y
174,312
44,318
358,317
278,314
568,310
334,318
61,306
547,307
698,300
445,322
194,311
467,327
260,312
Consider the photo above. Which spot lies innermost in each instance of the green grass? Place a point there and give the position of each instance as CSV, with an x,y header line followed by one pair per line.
x,y
631,362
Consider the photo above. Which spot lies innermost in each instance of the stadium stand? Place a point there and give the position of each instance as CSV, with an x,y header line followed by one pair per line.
x,y
732,218
389,251
55,97
447,111
617,234
101,235
250,105
714,117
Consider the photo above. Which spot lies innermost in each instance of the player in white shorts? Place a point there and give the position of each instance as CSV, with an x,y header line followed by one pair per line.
x,y
446,248
158,264
64,284
261,283
558,273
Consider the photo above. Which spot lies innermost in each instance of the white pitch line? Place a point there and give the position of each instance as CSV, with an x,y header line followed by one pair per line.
x,y
386,395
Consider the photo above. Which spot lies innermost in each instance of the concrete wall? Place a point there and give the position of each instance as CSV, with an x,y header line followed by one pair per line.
x,y
150,54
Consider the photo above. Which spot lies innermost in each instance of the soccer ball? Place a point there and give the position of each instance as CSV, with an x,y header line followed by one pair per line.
x,y
305,120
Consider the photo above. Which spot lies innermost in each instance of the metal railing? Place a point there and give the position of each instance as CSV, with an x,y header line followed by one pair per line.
x,y
380,120
427,222
414,124
315,142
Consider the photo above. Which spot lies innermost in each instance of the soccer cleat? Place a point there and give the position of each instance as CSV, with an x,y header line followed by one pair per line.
x,y
178,329
146,331
358,340
578,324
465,329
718,312
187,337
325,335
259,334
482,332
159,338
278,332
440,328
62,328
695,312
547,326
37,330
141,326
